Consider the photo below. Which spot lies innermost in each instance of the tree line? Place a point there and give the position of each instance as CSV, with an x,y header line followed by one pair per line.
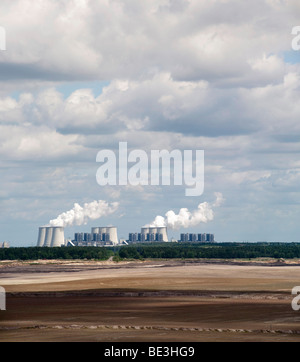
x,y
158,251
211,251
34,253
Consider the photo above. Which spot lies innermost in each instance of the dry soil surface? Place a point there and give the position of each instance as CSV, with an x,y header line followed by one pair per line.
x,y
152,301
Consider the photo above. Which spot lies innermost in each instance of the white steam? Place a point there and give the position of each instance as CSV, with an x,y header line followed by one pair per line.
x,y
81,215
219,199
184,219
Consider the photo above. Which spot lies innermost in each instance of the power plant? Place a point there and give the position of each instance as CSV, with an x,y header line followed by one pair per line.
x,y
199,238
150,234
99,236
51,236
159,234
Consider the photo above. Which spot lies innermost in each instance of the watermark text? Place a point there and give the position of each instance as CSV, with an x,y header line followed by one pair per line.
x,y
2,299
296,300
296,39
164,168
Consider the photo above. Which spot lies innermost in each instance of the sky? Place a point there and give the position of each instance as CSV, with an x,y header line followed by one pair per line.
x,y
81,76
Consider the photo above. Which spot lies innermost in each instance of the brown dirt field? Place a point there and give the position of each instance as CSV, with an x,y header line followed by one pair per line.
x,y
163,301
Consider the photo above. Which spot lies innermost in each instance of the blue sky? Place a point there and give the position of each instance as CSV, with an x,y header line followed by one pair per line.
x,y
80,76
292,57
68,88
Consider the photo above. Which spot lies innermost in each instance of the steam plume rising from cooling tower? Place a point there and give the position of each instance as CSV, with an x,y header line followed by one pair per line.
x,y
184,219
79,215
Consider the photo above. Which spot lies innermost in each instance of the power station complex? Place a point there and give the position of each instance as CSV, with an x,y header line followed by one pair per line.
x,y
99,236
149,234
200,238
53,236
160,234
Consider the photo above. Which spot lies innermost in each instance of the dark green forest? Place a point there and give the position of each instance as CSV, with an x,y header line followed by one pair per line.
x,y
34,253
212,251
159,251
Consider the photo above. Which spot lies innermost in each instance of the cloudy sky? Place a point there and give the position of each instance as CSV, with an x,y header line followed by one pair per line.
x,y
80,76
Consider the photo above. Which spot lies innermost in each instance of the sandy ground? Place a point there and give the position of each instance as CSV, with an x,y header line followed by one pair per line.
x,y
161,301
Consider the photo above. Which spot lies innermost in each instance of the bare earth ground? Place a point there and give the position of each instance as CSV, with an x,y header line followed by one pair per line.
x,y
152,301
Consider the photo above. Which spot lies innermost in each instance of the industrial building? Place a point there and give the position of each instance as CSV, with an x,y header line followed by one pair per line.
x,y
197,238
51,236
149,234
99,236
159,234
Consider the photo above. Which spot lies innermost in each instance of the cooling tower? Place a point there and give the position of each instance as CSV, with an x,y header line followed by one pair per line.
x,y
152,230
95,230
113,235
145,231
48,236
102,230
58,237
163,232
41,237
